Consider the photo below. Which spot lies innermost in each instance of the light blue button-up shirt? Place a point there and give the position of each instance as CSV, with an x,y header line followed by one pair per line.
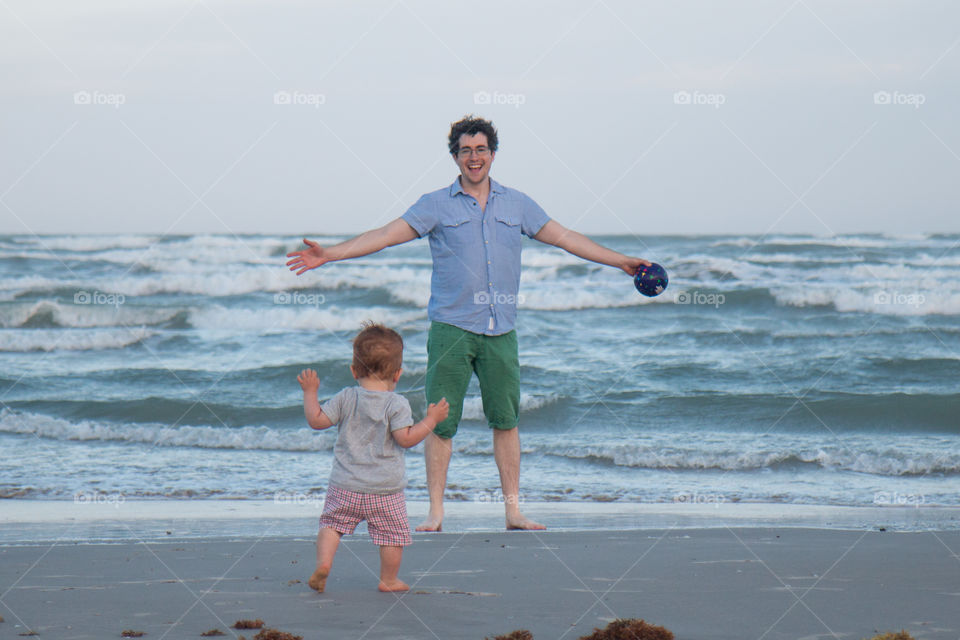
x,y
476,254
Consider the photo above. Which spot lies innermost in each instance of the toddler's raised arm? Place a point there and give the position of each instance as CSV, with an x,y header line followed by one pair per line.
x,y
316,418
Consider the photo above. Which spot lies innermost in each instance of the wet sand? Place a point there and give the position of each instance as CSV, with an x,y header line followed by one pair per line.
x,y
723,582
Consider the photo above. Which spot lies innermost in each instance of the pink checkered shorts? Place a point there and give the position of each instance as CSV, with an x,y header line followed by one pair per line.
x,y
386,515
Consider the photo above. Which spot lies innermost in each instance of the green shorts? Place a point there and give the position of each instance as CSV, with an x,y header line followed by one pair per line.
x,y
454,355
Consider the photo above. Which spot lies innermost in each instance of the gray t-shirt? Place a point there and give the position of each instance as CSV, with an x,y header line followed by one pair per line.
x,y
366,458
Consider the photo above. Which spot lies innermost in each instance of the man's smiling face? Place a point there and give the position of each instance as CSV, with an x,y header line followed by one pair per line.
x,y
474,159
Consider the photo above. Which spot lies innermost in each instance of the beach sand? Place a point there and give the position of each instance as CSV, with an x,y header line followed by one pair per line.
x,y
718,582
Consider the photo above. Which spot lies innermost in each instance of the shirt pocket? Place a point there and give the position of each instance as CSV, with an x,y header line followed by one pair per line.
x,y
460,234
508,230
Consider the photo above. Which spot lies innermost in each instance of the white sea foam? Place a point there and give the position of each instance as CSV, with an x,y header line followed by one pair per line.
x,y
856,457
282,317
225,282
406,284
88,243
190,253
83,315
30,283
829,241
937,259
556,298
473,406
866,242
892,301
272,315
70,339
920,276
543,258
708,267
735,242
208,437
781,258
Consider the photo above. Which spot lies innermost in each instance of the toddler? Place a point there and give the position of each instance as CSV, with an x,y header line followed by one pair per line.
x,y
375,425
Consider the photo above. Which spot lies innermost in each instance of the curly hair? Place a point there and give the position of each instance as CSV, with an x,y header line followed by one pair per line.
x,y
377,351
471,126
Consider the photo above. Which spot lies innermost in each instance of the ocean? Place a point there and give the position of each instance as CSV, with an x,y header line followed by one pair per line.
x,y
780,369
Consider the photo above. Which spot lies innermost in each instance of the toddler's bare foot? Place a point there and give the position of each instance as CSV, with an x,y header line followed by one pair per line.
x,y
393,585
318,581
523,523
432,523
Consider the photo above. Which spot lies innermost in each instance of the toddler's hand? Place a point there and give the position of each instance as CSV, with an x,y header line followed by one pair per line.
x,y
439,410
308,380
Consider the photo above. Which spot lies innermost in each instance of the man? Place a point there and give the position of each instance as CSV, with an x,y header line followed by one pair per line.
x,y
474,227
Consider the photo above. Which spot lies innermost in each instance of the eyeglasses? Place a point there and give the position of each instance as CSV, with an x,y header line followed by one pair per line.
x,y
466,152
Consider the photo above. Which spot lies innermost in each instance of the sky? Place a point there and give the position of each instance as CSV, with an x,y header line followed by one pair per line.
x,y
617,116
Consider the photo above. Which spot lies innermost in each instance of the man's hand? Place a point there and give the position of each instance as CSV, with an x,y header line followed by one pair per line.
x,y
439,411
632,265
310,258
308,380
390,234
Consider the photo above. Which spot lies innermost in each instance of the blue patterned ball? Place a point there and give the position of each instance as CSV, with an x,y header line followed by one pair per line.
x,y
652,280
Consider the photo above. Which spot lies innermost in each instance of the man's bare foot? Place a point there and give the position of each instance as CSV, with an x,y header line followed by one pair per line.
x,y
431,524
523,523
318,581
393,585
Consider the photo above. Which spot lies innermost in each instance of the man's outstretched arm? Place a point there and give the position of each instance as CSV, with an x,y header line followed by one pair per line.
x,y
396,232
583,247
